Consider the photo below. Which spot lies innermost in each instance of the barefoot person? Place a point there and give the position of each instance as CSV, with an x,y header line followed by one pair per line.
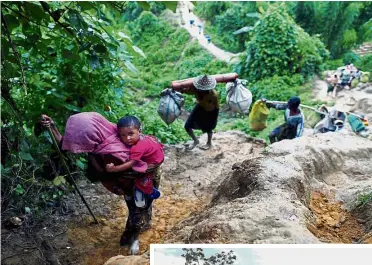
x,y
205,113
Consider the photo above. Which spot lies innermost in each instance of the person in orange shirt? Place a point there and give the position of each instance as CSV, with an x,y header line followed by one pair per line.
x,y
205,113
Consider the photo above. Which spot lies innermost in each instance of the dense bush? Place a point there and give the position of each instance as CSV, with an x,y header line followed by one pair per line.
x,y
333,64
279,88
365,63
208,10
280,47
351,57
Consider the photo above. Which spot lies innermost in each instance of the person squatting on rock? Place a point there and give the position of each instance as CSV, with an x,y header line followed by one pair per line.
x,y
107,156
294,120
205,113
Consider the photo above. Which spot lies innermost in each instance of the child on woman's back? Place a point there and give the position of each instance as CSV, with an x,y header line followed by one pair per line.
x,y
144,150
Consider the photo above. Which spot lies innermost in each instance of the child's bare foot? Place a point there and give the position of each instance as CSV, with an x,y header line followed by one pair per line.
x,y
206,147
192,146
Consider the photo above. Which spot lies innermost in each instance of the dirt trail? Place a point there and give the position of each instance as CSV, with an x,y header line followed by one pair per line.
x,y
271,199
184,14
333,224
189,179
100,243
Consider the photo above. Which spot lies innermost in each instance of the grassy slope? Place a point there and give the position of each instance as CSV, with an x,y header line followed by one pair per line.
x,y
172,55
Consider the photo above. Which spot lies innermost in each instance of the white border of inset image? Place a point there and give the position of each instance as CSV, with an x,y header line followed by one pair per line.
x,y
261,246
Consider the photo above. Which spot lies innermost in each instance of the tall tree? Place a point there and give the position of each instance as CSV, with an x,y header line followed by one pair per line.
x,y
197,257
305,16
337,18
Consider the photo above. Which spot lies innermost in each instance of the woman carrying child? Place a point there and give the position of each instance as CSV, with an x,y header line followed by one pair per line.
x,y
143,149
90,132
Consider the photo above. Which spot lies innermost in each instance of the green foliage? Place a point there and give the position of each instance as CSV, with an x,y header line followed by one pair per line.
x,y
337,18
66,57
364,199
222,25
340,24
365,63
280,47
349,58
333,64
210,9
349,39
305,15
279,88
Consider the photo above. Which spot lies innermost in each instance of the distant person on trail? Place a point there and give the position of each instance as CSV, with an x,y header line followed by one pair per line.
x,y
333,120
208,38
332,85
356,75
294,120
200,27
350,67
192,22
205,113
345,78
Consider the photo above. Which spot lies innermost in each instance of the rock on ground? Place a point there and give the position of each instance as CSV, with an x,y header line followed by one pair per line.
x,y
127,260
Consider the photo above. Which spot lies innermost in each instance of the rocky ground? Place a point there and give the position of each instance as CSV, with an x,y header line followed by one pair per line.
x,y
300,191
290,195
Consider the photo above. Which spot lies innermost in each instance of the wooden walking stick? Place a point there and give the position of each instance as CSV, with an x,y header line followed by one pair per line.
x,y
69,173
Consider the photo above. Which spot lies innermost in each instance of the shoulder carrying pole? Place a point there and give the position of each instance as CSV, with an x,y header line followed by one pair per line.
x,y
68,171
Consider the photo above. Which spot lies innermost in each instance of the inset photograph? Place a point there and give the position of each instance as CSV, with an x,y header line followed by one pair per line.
x,y
259,255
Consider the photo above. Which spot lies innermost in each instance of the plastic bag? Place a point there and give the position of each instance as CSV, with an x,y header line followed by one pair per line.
x,y
258,116
239,98
170,105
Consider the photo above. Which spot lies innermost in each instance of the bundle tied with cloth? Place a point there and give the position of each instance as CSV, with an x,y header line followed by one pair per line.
x,y
172,101
238,97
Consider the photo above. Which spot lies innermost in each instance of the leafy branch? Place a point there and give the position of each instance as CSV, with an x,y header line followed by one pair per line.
x,y
15,50
56,17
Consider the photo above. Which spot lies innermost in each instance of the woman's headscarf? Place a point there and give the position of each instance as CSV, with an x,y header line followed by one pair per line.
x,y
91,132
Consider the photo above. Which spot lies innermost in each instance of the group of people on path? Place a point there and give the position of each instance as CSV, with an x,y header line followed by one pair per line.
x,y
204,116
116,150
200,29
343,79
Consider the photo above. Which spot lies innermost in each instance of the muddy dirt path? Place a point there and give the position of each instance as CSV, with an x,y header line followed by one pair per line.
x,y
189,179
333,224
